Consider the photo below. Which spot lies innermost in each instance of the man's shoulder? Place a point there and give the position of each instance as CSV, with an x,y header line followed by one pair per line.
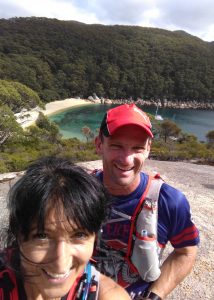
x,y
168,195
172,198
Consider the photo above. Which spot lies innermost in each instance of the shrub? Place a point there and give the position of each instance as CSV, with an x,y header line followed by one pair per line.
x,y
3,167
17,162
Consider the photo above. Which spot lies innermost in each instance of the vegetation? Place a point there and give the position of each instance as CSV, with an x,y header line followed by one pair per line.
x,y
41,140
9,128
210,138
50,59
60,59
18,96
169,129
88,133
20,148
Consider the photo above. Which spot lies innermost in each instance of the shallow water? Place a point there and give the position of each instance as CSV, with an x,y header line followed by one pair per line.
x,y
70,121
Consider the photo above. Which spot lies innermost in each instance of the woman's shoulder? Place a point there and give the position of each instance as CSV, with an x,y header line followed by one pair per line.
x,y
111,290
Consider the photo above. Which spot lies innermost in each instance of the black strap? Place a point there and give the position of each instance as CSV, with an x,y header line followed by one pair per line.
x,y
7,285
64,297
150,295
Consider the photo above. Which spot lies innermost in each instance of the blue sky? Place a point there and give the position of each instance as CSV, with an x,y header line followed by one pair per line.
x,y
193,16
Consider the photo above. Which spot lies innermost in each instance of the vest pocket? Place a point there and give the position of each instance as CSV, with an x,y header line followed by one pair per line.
x,y
145,257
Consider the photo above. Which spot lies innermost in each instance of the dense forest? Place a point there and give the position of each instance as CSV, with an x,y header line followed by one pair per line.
x,y
18,96
60,59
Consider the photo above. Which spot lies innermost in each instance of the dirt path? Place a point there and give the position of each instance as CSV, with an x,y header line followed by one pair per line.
x,y
197,183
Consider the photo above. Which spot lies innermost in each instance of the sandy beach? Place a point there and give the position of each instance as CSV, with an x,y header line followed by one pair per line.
x,y
27,118
60,105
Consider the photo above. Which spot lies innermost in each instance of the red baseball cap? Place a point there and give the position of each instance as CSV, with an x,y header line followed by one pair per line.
x,y
126,114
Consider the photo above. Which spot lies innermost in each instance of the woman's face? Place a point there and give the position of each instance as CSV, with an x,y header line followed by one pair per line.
x,y
53,259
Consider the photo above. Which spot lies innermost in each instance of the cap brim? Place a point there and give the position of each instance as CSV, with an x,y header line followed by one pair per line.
x,y
144,128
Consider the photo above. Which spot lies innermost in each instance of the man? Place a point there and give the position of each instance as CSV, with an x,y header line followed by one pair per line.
x,y
124,144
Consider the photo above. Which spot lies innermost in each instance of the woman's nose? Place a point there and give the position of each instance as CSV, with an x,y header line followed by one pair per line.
x,y
63,256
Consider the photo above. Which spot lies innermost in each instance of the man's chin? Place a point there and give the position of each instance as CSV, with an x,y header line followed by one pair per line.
x,y
125,183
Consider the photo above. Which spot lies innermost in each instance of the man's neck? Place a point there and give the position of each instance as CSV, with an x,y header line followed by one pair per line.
x,y
120,190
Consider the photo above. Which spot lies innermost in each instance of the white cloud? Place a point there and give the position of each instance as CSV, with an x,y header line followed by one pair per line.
x,y
62,10
193,16
208,34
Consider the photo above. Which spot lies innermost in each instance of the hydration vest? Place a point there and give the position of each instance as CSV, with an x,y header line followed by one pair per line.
x,y
86,288
139,258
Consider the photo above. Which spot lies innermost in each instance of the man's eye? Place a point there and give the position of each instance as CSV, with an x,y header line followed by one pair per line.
x,y
114,146
140,149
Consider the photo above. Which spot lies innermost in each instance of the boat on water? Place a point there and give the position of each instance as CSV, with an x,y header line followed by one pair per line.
x,y
158,117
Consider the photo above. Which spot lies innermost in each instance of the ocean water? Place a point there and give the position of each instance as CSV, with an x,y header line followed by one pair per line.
x,y
70,121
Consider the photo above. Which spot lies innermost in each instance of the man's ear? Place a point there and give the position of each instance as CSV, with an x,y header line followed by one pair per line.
x,y
148,147
98,145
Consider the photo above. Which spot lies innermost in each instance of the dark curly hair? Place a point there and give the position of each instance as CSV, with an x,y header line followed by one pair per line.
x,y
55,182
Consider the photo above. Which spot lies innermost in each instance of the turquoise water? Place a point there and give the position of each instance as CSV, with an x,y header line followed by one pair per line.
x,y
70,122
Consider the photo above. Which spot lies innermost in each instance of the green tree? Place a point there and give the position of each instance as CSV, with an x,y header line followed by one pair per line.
x,y
50,130
169,129
9,128
87,132
210,138
18,96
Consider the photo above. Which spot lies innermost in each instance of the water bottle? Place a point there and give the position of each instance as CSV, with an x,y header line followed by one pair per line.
x,y
145,256
144,233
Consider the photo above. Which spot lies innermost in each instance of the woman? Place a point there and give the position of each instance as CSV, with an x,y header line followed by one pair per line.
x,y
55,211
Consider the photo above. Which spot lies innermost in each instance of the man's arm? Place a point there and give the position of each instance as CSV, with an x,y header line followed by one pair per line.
x,y
174,269
110,290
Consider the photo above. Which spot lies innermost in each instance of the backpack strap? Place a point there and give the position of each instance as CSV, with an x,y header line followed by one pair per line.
x,y
148,201
136,212
154,190
8,285
86,286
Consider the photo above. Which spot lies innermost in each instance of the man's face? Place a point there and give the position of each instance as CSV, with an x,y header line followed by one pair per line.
x,y
123,156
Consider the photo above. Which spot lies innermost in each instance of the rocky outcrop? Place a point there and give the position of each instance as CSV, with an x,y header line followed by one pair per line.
x,y
193,104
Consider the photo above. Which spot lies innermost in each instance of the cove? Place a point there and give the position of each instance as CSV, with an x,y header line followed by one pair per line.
x,y
70,121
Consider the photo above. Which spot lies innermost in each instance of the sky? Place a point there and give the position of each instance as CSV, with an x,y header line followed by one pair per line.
x,y
196,17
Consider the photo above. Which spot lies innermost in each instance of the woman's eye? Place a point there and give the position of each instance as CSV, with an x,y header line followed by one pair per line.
x,y
40,236
80,235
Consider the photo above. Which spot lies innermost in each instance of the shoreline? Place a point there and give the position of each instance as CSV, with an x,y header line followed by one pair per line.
x,y
28,118
54,107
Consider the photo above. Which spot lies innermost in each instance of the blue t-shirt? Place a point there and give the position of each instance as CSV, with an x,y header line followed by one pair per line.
x,y
175,223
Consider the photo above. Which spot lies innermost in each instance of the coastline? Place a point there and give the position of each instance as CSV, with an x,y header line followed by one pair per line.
x,y
27,118
60,105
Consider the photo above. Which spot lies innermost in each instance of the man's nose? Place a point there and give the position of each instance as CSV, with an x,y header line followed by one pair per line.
x,y
127,156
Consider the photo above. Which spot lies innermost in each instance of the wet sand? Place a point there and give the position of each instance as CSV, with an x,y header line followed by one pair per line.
x,y
50,108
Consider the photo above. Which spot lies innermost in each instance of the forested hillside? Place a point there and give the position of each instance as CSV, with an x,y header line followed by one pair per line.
x,y
60,59
17,96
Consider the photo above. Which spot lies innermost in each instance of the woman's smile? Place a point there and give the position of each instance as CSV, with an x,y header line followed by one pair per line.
x,y
57,278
